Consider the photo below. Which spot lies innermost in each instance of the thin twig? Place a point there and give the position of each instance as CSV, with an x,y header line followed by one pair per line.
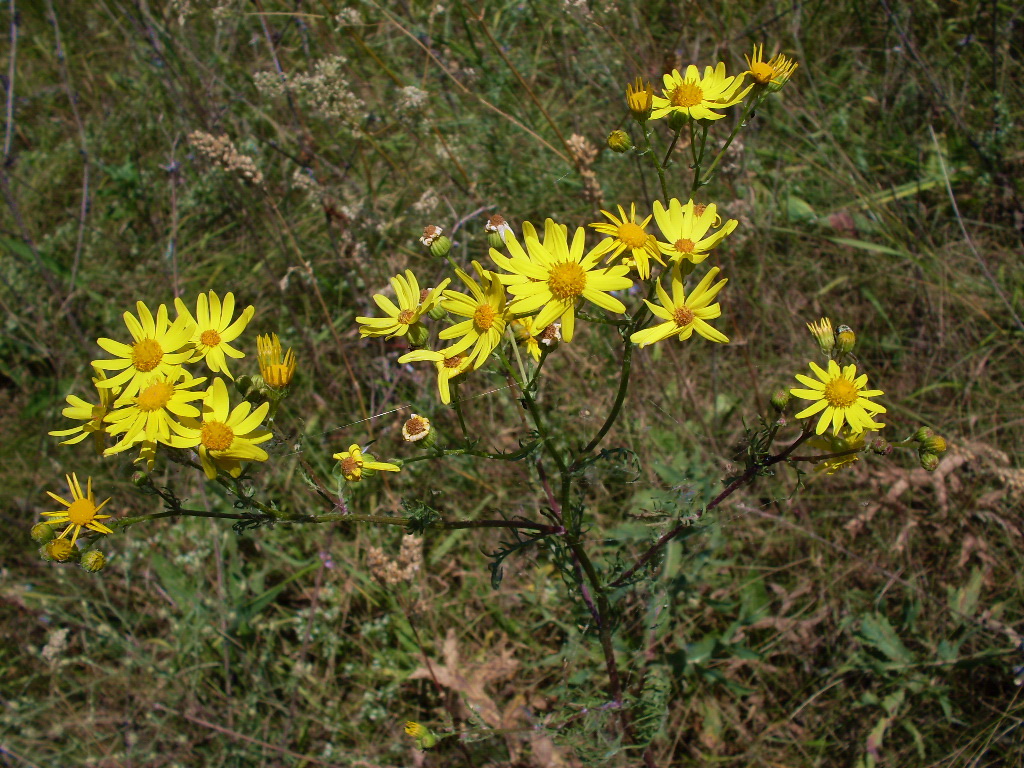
x,y
11,70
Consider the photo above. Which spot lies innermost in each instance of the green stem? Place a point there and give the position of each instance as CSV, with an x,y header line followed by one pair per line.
x,y
648,149
697,181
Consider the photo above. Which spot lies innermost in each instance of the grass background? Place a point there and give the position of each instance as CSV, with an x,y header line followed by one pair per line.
x,y
867,619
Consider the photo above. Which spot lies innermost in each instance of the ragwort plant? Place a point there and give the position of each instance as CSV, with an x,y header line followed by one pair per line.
x,y
166,389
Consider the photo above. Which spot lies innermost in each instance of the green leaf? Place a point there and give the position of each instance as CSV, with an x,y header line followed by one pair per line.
x,y
876,631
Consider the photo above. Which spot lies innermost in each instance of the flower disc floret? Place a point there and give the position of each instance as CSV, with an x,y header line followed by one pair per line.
x,y
840,396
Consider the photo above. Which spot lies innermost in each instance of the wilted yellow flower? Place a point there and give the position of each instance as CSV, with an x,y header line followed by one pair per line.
x,y
840,395
354,463
625,233
277,371
225,437
449,365
159,348
93,416
774,73
697,97
684,314
214,329
81,511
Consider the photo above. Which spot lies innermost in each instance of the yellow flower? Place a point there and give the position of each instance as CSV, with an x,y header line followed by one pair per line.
x,y
624,232
848,441
841,397
487,313
277,371
824,335
684,314
159,348
697,97
94,416
684,228
147,417
639,99
214,329
556,274
449,365
774,73
225,437
411,307
527,336
81,511
354,463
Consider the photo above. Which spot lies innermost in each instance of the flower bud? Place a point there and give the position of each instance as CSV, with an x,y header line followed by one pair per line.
x,y
934,444
780,399
929,461
922,434
93,561
881,446
495,240
425,738
619,141
845,340
824,335
678,120
60,550
418,335
440,247
42,533
640,100
141,479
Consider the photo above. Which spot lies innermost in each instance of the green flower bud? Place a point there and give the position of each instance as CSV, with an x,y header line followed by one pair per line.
x,y
437,312
922,434
934,444
418,335
441,246
881,446
60,550
141,479
780,399
42,533
619,141
495,240
678,120
93,561
929,461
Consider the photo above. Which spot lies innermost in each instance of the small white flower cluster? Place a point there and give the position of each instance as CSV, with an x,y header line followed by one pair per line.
x,y
222,152
411,99
325,90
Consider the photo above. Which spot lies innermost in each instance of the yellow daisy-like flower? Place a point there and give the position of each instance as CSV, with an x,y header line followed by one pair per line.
x,y
625,233
147,417
214,329
276,369
487,313
684,228
697,97
774,73
847,441
81,511
449,365
840,395
411,307
557,274
159,348
684,314
640,99
225,437
354,463
526,335
94,416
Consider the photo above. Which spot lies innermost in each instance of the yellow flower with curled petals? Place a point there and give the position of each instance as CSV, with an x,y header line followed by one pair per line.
x,y
159,347
840,395
486,311
214,329
225,437
81,512
684,314
412,305
449,365
93,416
276,369
774,73
685,229
353,464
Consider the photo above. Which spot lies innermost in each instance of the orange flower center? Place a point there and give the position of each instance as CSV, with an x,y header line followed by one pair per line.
x,y
687,94
81,512
406,316
699,208
841,393
762,72
155,396
146,354
483,318
567,280
684,246
216,435
683,316
454,362
632,235
351,468
209,338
